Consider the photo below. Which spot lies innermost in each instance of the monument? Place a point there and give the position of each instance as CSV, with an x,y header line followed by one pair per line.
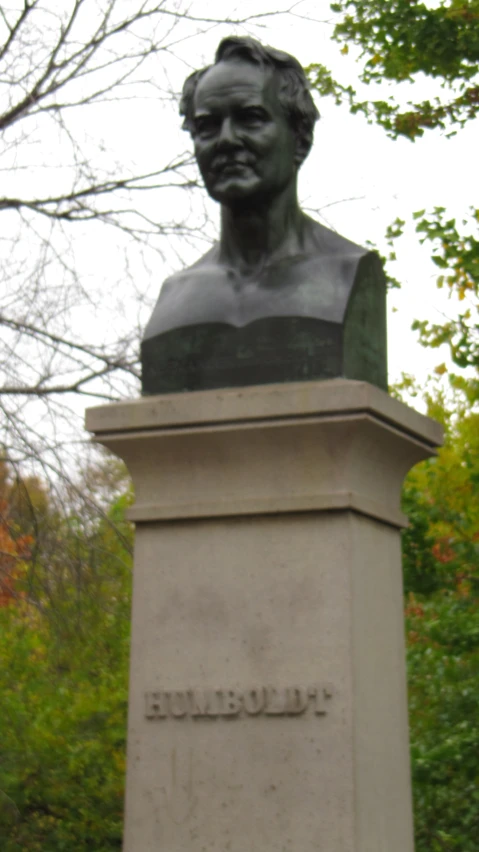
x,y
267,706
280,297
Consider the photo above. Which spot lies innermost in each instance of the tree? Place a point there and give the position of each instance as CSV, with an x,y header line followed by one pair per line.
x,y
456,253
15,544
443,658
407,43
63,685
441,568
441,497
402,41
67,71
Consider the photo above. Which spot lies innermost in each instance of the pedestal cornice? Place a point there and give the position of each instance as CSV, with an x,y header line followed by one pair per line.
x,y
321,446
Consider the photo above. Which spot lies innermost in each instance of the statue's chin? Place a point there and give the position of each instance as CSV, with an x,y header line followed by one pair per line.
x,y
232,190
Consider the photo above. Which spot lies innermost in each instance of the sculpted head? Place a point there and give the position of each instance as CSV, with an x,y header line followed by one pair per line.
x,y
251,117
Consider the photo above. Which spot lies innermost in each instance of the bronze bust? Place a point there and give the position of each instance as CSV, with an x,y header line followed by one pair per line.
x,y
279,297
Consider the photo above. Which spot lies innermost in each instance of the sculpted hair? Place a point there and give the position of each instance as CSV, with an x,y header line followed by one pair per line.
x,y
293,90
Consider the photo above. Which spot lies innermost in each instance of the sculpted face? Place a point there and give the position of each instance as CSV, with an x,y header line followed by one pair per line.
x,y
245,148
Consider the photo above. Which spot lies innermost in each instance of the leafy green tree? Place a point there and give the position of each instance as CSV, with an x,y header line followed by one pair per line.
x,y
441,497
407,43
441,570
455,252
443,661
403,41
64,645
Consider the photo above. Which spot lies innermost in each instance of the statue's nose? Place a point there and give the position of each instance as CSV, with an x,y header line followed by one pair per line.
x,y
227,135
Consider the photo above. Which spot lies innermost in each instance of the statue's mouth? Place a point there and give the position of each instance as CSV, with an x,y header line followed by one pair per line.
x,y
231,165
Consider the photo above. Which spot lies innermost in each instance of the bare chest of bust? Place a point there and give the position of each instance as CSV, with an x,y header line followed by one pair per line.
x,y
320,314
316,287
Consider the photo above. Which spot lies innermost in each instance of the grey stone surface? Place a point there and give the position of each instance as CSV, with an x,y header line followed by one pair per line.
x,y
267,689
266,402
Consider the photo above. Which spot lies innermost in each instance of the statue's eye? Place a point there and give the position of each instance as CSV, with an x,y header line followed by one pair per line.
x,y
253,117
206,125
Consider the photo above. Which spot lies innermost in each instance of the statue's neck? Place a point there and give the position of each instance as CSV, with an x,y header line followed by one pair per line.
x,y
254,236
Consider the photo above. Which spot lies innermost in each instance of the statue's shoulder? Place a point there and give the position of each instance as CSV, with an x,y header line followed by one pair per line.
x,y
205,268
192,296
325,242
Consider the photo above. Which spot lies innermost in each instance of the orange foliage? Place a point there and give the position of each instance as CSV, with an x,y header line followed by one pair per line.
x,y
12,552
463,587
413,607
413,637
443,551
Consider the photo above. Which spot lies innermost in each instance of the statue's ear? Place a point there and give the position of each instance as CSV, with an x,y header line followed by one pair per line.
x,y
302,148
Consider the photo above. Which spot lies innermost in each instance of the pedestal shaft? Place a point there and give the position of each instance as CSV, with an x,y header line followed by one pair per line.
x,y
267,692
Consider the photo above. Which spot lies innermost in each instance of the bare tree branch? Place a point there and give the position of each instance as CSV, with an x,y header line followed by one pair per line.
x,y
75,294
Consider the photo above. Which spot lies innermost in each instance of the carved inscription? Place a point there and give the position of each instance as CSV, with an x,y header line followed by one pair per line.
x,y
233,703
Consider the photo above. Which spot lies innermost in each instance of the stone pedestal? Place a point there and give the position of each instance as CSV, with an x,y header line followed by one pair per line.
x,y
267,692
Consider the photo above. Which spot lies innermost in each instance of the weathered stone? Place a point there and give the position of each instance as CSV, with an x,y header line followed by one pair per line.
x,y
267,704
